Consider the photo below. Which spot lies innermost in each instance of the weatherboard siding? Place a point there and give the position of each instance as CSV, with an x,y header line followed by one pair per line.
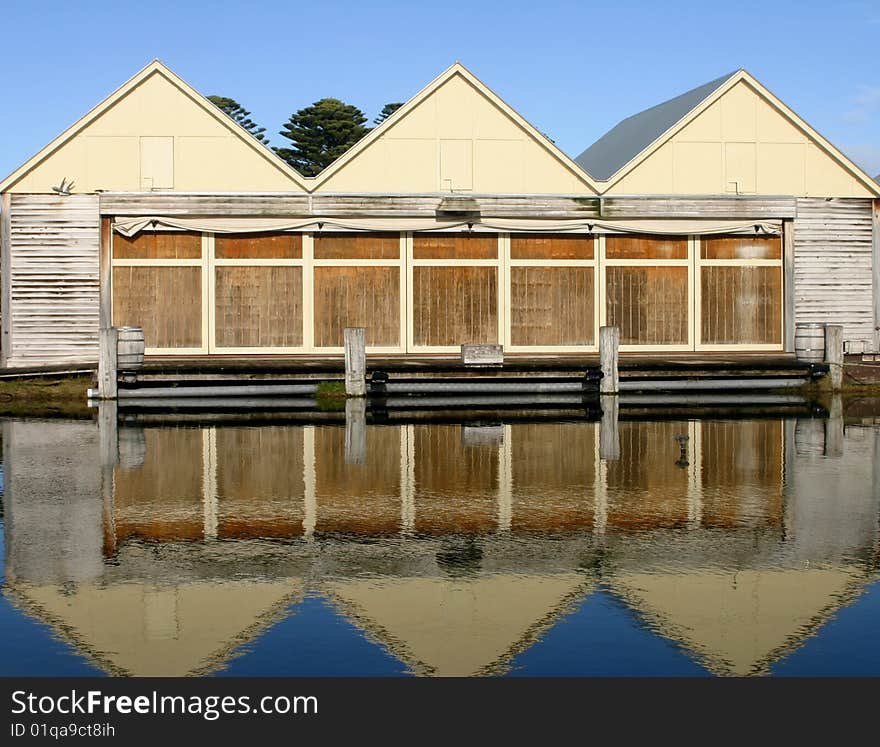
x,y
50,294
833,247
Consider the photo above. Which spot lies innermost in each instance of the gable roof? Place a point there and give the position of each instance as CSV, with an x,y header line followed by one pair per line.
x,y
457,69
156,67
631,136
618,148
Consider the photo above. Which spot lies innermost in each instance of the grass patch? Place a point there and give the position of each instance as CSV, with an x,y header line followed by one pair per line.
x,y
331,396
45,396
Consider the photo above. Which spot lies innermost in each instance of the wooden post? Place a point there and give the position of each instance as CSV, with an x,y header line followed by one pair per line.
x,y
609,342
834,355
788,308
355,431
105,261
107,373
355,361
609,434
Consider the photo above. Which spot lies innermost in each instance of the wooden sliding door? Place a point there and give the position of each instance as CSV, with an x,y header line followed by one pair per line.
x,y
456,291
158,284
740,293
359,282
257,293
552,292
648,283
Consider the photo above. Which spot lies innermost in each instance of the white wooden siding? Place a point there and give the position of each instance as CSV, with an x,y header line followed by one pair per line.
x,y
833,266
52,290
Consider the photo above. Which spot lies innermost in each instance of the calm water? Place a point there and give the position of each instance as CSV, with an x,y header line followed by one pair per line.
x,y
750,547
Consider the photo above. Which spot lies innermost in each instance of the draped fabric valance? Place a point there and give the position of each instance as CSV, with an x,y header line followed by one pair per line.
x,y
134,225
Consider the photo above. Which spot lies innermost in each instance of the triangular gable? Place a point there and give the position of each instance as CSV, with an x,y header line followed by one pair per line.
x,y
741,139
455,135
155,127
629,137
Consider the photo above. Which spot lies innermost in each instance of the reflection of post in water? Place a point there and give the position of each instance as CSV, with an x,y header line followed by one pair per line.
x,y
609,433
819,436
834,428
108,439
355,430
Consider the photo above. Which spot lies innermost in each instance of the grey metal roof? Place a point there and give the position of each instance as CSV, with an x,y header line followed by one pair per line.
x,y
627,139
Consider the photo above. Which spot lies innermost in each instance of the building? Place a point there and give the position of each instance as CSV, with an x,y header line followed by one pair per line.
x,y
715,221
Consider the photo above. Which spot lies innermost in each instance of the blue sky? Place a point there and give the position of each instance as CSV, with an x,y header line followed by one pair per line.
x,y
572,68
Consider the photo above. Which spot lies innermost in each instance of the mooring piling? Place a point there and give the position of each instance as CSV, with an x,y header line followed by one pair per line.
x,y
834,355
354,339
609,343
108,356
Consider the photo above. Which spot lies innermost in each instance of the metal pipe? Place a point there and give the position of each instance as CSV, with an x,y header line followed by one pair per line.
x,y
246,390
222,403
711,399
670,385
415,403
492,387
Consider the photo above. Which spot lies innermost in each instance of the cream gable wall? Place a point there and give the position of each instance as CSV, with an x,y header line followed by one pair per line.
x,y
741,138
455,138
123,149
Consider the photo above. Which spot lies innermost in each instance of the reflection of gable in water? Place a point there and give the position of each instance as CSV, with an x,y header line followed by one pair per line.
x,y
150,630
457,627
739,622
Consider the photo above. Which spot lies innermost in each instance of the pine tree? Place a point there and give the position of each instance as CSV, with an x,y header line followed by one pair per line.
x,y
240,115
320,133
387,111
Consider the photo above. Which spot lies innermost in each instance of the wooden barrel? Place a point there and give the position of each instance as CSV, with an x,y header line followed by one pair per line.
x,y
809,342
130,349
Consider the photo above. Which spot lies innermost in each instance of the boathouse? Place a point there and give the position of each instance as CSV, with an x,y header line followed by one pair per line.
x,y
715,221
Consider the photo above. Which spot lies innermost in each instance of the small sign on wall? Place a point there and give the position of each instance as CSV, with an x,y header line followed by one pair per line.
x,y
482,355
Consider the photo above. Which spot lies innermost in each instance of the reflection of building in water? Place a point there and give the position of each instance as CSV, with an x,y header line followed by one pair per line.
x,y
739,621
160,629
439,479
454,548
52,502
457,627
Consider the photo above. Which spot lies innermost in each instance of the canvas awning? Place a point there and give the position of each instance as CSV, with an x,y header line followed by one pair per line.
x,y
134,225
